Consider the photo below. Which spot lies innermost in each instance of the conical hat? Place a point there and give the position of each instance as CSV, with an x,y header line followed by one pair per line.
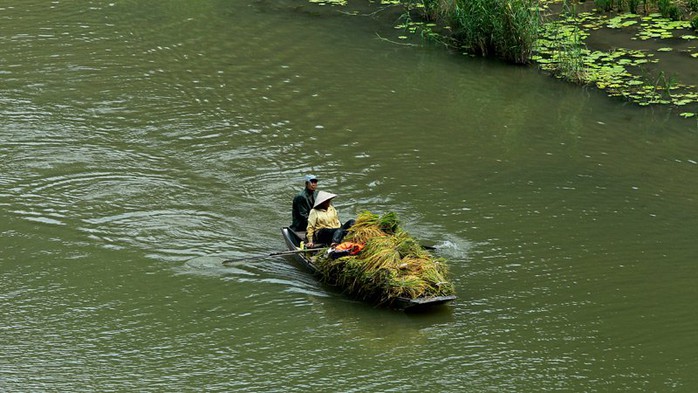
x,y
323,196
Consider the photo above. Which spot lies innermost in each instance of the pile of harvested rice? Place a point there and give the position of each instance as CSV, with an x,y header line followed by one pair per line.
x,y
392,264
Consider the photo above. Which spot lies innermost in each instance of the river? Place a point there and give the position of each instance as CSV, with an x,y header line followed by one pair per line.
x,y
141,143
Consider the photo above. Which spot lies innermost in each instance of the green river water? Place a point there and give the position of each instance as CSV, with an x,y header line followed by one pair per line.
x,y
143,142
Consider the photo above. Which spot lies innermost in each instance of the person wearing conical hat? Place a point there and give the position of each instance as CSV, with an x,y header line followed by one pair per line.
x,y
303,203
324,226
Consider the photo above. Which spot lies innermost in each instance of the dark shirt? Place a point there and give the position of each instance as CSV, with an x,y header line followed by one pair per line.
x,y
302,204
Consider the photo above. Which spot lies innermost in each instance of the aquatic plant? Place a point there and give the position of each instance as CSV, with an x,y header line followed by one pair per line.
x,y
619,5
692,5
669,9
522,31
623,73
605,5
426,30
560,48
633,4
506,29
392,264
330,2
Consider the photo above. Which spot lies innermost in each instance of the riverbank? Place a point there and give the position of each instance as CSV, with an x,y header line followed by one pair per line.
x,y
643,59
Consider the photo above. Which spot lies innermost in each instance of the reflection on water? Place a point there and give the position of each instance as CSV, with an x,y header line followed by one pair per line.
x,y
143,144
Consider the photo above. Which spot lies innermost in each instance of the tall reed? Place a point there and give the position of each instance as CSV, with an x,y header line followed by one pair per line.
x,y
668,8
567,47
502,28
692,5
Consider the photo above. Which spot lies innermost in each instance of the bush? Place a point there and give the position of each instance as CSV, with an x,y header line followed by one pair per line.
x,y
694,23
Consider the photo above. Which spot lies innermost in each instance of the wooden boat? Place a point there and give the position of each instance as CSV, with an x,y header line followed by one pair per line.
x,y
293,241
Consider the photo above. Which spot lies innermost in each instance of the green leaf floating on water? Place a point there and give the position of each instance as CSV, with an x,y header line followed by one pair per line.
x,y
331,2
687,114
620,22
561,49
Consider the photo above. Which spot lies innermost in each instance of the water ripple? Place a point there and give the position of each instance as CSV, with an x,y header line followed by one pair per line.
x,y
143,143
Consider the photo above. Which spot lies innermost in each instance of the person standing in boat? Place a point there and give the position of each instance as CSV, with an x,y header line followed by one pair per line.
x,y
324,226
303,202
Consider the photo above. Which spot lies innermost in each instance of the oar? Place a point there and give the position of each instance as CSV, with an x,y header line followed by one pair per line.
x,y
273,254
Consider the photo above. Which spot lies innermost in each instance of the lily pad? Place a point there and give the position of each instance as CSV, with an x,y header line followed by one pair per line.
x,y
330,2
